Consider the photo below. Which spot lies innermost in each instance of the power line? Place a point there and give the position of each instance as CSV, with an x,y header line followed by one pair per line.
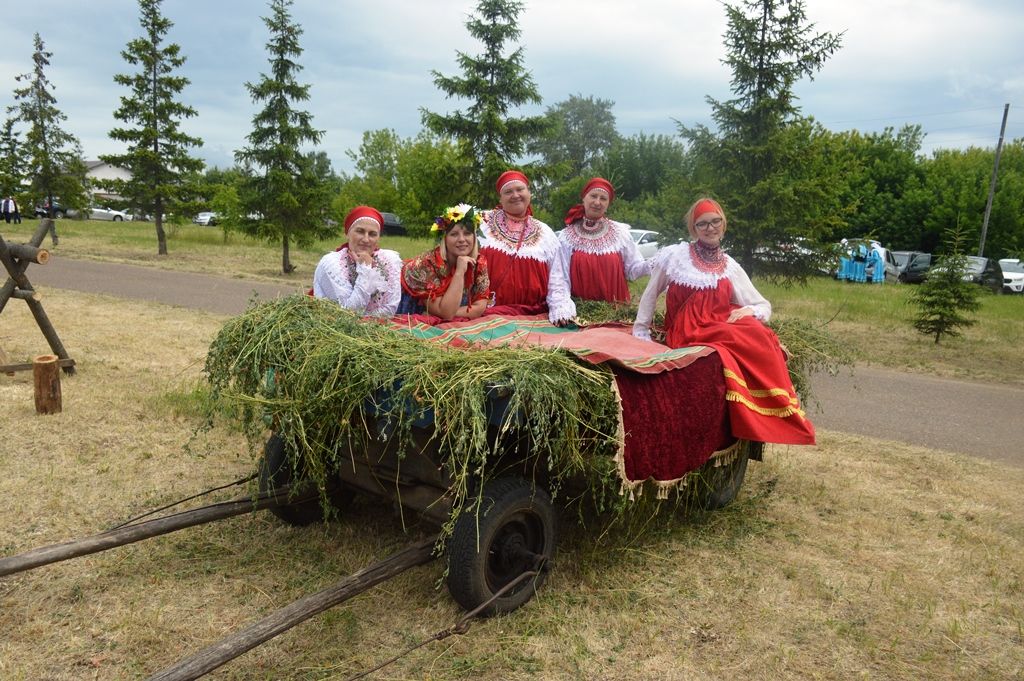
x,y
913,116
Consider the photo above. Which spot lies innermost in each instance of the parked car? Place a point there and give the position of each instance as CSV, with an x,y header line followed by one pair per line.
x,y
992,275
105,213
42,211
392,225
647,241
1013,275
206,219
913,266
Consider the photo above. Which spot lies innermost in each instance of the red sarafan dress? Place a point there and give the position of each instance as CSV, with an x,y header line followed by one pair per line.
x,y
763,406
600,256
525,265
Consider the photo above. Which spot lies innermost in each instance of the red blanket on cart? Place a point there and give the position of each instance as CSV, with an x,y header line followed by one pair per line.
x,y
673,405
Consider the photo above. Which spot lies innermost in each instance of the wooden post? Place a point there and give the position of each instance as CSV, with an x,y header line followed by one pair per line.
x,y
46,376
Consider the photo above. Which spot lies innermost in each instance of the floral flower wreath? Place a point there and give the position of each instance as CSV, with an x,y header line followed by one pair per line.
x,y
453,215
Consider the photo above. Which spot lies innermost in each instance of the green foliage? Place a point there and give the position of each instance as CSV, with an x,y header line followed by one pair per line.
x,y
286,194
328,383
157,156
488,137
414,177
764,162
53,155
12,161
580,131
944,298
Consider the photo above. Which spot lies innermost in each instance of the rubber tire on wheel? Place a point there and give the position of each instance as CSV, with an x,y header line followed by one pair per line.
x,y
515,519
717,486
275,470
117,218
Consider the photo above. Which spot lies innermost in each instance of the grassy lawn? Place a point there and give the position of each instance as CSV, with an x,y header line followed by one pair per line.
x,y
851,559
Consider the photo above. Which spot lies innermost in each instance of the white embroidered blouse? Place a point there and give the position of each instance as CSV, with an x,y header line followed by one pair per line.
x,y
540,244
368,289
673,265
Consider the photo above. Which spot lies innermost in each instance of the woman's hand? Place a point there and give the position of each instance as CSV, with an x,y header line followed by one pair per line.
x,y
361,257
463,263
739,313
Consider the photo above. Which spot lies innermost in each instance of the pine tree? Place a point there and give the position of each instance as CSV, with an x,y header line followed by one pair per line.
x,y
493,83
12,163
54,156
286,192
760,163
162,171
944,297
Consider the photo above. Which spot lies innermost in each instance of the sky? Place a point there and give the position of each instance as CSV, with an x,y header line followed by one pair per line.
x,y
948,65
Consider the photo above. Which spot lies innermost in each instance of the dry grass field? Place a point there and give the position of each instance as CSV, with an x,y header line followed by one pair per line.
x,y
853,559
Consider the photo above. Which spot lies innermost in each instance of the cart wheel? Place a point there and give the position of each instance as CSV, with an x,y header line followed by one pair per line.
x,y
275,470
717,486
514,527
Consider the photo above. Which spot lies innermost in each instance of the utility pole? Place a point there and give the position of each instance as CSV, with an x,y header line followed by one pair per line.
x,y
992,184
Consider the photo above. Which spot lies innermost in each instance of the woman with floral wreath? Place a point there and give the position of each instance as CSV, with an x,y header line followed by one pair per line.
x,y
450,280
711,301
524,255
599,254
360,275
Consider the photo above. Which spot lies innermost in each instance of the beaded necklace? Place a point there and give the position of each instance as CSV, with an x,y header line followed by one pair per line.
x,y
527,237
710,259
595,237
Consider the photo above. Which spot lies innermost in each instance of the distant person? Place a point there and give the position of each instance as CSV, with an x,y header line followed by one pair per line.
x,y
7,208
15,211
450,280
524,255
711,301
360,276
598,253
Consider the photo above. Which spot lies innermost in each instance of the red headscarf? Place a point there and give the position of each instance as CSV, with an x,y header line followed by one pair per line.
x,y
512,176
364,212
577,212
706,206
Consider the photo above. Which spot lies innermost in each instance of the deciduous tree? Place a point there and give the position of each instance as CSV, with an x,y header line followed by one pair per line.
x,y
163,174
286,193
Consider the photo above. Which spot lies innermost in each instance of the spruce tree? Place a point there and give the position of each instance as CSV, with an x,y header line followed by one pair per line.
x,y
286,193
162,171
493,83
53,155
761,162
12,164
944,298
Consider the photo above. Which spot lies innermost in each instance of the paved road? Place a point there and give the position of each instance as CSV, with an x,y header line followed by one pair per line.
x,y
959,416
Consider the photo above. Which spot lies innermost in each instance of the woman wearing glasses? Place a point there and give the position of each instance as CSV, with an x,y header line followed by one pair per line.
x,y
711,301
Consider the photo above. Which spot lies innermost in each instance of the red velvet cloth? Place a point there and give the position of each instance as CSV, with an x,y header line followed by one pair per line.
x,y
674,420
516,280
763,405
598,277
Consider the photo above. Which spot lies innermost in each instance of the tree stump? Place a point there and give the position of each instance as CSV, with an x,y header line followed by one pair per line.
x,y
46,377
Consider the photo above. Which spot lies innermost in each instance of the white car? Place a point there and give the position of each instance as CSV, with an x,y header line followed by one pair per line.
x,y
104,213
207,218
1013,275
647,241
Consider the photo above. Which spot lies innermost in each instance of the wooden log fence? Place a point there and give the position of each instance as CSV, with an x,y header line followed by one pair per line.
x,y
16,258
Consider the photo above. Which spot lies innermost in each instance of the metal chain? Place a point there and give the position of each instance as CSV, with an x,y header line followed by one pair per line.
x,y
462,626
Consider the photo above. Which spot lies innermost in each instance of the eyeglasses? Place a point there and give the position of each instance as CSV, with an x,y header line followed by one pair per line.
x,y
705,225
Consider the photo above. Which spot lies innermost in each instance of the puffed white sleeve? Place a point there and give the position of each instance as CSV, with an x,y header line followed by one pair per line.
x,y
328,280
632,261
745,295
560,304
649,300
565,252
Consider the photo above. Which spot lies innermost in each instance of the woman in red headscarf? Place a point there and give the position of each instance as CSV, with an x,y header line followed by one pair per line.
x,y
524,256
599,254
711,301
360,276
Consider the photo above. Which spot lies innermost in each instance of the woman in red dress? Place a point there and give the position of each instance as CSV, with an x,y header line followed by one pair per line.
x,y
599,254
451,280
711,301
524,256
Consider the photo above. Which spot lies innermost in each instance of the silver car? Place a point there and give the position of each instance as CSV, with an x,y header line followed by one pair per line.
x,y
647,241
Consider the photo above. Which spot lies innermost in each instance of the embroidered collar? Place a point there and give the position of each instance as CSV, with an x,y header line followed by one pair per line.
x,y
678,264
602,237
710,259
